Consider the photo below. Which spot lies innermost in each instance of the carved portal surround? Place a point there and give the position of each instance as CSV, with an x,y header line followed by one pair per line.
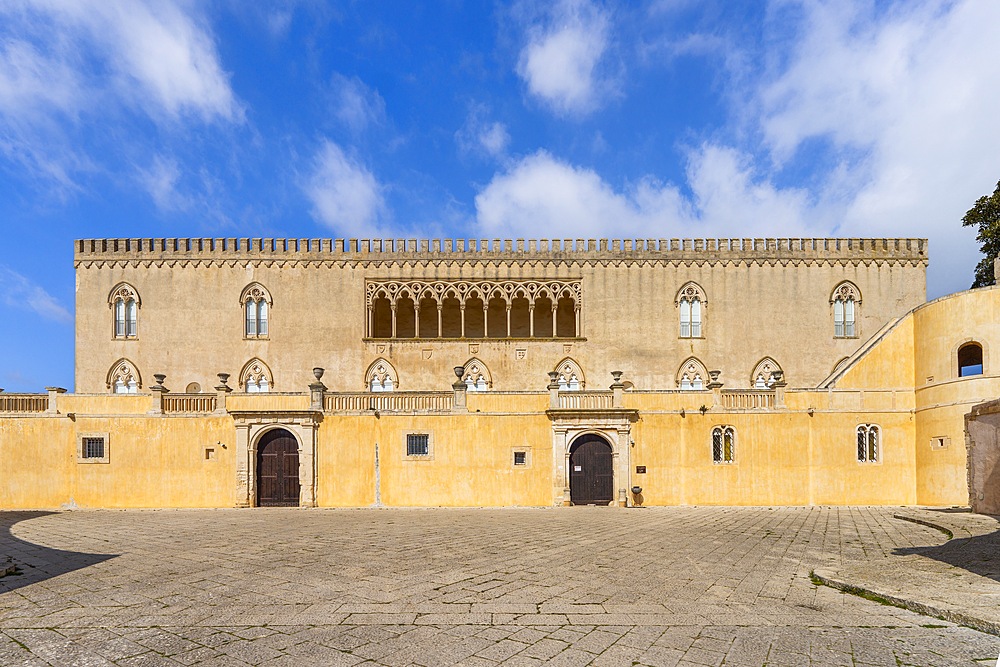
x,y
250,426
473,308
614,425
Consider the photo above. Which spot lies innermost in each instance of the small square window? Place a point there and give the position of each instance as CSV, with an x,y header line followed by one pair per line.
x,y
92,448
210,453
520,458
418,444
940,442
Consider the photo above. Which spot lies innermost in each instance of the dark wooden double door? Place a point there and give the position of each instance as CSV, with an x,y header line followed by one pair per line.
x,y
278,470
591,471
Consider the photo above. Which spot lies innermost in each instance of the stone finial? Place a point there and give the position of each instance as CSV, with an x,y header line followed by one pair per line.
x,y
223,386
159,377
318,373
553,380
617,376
459,371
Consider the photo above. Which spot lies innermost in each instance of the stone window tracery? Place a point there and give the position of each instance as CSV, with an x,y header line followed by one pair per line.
x,y
690,301
766,373
570,376
692,375
723,444
123,378
869,444
477,376
256,377
473,309
124,302
846,301
381,376
256,302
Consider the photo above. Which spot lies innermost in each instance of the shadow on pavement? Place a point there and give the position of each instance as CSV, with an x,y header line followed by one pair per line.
x,y
36,562
979,554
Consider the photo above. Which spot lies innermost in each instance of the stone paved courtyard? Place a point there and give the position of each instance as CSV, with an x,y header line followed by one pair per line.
x,y
572,586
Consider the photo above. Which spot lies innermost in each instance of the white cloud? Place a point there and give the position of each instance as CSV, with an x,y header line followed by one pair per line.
x,y
541,192
345,195
160,181
560,60
479,134
17,291
356,105
907,100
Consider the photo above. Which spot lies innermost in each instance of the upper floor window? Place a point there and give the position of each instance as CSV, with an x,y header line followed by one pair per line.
x,y
124,302
692,375
766,374
256,302
970,360
381,376
846,299
723,444
123,378
690,301
868,443
569,375
476,376
256,377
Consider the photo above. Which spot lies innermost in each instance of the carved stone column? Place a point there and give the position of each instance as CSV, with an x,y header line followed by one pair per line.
x,y
244,468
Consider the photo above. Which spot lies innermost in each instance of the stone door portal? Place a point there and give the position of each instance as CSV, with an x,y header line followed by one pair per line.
x,y
278,469
591,471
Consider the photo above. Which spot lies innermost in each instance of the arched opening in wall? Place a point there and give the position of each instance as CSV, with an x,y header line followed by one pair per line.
x,y
406,318
496,318
591,471
520,324
192,388
970,360
566,318
451,318
381,318
428,318
474,318
277,469
543,318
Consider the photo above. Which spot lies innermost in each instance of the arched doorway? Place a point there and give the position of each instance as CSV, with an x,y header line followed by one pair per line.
x,y
591,471
277,469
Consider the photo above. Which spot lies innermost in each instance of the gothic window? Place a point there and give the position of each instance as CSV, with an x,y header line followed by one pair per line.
x,y
690,301
868,443
256,302
124,302
256,377
381,376
723,444
570,376
477,376
970,360
123,378
846,300
766,373
692,375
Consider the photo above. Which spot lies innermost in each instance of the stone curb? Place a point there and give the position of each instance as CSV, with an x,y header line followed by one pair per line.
x,y
961,618
829,578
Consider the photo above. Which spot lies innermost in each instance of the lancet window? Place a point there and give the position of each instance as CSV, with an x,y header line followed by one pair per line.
x,y
692,375
381,376
256,302
723,444
256,377
123,378
846,300
690,302
124,302
868,443
473,309
570,376
766,373
477,376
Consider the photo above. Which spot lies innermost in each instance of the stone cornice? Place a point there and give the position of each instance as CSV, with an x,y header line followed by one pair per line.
x,y
401,253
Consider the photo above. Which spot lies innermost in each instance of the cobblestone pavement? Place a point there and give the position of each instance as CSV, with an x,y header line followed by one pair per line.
x,y
568,586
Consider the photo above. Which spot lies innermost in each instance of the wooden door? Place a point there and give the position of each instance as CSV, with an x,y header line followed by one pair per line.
x,y
591,471
278,470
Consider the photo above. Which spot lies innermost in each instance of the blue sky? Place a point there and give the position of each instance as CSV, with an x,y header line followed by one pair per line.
x,y
669,118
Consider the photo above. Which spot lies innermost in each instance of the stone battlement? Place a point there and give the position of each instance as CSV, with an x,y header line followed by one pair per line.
x,y
145,249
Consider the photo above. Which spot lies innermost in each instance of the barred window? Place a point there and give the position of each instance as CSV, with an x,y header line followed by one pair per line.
x,y
93,448
520,458
418,444
724,444
868,443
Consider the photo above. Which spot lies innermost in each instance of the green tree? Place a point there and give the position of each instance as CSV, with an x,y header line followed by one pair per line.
x,y
986,216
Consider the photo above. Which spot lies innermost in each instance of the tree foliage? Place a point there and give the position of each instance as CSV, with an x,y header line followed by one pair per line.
x,y
986,216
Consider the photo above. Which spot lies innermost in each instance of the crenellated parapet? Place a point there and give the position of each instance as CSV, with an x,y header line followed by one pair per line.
x,y
99,252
